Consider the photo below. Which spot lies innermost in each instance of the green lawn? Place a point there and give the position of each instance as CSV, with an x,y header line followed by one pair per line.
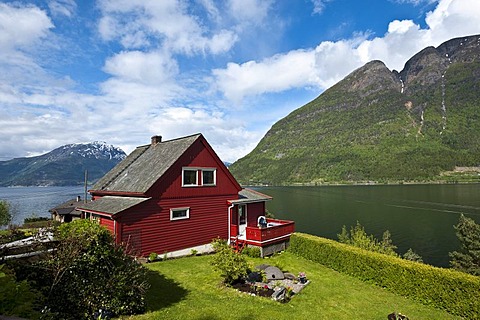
x,y
188,288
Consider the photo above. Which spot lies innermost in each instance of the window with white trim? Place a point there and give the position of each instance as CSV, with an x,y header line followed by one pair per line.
x,y
179,213
208,177
190,177
196,177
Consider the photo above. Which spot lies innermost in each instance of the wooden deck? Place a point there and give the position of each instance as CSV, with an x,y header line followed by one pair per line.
x,y
276,231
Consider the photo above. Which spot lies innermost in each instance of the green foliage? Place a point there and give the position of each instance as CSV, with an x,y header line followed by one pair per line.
x,y
359,238
87,272
17,298
269,214
34,218
467,259
231,265
153,256
412,256
252,252
5,214
445,289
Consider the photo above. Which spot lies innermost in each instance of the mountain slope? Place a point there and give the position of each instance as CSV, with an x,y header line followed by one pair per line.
x,y
380,125
63,166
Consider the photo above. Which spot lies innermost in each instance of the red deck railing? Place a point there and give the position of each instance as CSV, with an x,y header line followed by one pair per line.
x,y
276,230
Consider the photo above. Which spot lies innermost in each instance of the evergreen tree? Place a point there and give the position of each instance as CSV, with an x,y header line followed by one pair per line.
x,y
359,238
467,259
5,215
412,256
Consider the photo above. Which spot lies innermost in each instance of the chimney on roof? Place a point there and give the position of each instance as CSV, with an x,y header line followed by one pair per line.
x,y
156,140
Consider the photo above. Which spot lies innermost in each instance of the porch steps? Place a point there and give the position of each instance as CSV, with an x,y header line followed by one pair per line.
x,y
237,245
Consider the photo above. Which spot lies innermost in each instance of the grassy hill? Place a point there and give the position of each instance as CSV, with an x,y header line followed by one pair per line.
x,y
380,125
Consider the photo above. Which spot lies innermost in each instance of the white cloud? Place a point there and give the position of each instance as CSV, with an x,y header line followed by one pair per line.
x,y
147,90
166,23
319,5
331,61
249,11
62,7
278,73
21,27
143,67
415,2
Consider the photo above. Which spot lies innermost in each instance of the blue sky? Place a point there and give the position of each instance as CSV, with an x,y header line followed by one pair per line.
x,y
121,71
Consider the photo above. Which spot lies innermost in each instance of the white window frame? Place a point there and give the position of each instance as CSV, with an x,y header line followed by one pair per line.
x,y
183,177
214,170
172,210
199,181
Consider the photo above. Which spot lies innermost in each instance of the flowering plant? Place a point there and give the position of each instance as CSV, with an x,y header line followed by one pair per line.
x,y
302,275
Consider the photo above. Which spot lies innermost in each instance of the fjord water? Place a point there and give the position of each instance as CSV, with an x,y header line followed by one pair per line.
x,y
36,201
420,217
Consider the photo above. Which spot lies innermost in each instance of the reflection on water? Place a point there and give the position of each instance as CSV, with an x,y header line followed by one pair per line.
x,y
420,217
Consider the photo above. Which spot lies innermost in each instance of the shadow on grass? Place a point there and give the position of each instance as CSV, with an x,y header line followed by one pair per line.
x,y
163,292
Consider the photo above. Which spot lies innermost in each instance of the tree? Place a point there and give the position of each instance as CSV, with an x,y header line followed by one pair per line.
x,y
412,256
5,214
359,238
87,272
16,297
467,259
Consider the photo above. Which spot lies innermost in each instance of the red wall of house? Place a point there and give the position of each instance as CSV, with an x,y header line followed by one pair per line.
x,y
255,210
148,228
199,155
107,223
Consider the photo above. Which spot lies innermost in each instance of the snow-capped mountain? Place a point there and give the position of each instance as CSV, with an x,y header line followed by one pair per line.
x,y
62,166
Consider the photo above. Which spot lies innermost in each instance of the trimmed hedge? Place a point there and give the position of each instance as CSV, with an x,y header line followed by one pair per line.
x,y
446,289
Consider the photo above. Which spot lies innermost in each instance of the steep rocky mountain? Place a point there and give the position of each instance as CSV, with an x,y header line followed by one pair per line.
x,y
380,125
63,166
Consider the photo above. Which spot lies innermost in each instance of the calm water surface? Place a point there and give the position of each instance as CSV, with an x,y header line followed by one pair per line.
x,y
36,201
420,217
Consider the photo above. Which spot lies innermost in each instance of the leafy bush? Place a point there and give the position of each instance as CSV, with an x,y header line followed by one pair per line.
x,y
88,272
153,256
252,252
34,218
446,289
232,265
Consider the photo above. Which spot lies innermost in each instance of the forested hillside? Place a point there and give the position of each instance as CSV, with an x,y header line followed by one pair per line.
x,y
380,125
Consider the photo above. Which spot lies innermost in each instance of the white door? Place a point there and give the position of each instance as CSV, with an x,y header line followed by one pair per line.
x,y
242,220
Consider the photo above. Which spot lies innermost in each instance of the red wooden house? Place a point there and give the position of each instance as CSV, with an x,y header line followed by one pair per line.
x,y
176,196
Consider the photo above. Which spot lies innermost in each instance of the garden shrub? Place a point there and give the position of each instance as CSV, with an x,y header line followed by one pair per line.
x,y
252,252
88,272
447,289
232,265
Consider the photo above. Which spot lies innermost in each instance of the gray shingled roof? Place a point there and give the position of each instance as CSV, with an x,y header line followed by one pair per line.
x,y
68,207
144,166
249,195
111,204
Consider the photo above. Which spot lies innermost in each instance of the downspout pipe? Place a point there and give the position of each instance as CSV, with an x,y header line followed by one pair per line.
x,y
229,211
